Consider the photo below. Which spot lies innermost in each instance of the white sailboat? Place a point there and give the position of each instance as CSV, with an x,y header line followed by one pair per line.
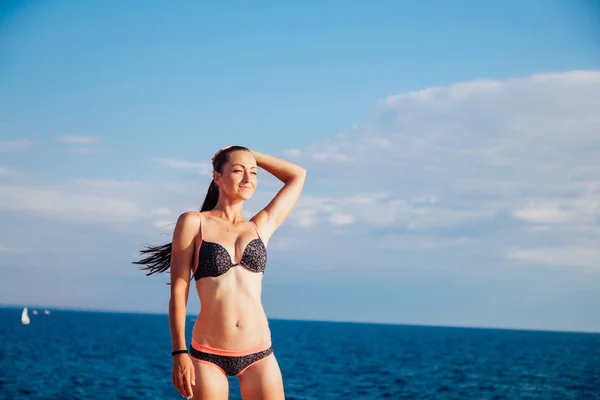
x,y
25,317
34,312
47,312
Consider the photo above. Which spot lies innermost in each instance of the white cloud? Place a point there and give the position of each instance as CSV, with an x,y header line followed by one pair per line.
x,y
304,218
282,243
582,209
165,213
8,172
106,184
331,151
16,144
470,155
562,256
136,204
68,204
86,150
80,144
542,214
292,153
161,211
510,164
574,77
201,168
421,242
462,192
164,224
383,210
142,208
342,219
331,156
76,139
539,228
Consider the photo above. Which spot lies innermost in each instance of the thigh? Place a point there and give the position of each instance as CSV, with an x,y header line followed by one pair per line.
x,y
262,380
211,382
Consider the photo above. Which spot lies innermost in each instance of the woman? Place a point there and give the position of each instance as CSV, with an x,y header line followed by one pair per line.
x,y
226,257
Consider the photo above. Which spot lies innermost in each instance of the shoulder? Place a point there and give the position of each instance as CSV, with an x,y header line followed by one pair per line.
x,y
188,222
185,234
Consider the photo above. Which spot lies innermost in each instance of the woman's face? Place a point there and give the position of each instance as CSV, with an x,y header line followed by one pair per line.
x,y
238,178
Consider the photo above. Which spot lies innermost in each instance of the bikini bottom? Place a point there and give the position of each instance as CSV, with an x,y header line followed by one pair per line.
x,y
231,363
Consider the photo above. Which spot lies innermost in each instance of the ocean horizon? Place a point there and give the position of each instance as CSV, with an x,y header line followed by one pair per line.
x,y
70,354
367,322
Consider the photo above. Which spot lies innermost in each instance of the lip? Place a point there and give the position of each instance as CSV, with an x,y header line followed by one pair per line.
x,y
244,187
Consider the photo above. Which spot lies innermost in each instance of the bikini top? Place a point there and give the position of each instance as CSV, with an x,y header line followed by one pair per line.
x,y
214,260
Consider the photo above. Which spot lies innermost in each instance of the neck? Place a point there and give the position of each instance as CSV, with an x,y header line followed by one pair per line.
x,y
229,210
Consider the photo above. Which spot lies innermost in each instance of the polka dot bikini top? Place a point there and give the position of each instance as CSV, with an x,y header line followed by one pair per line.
x,y
214,260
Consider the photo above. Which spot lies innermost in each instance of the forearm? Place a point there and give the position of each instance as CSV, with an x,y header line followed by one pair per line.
x,y
281,169
177,317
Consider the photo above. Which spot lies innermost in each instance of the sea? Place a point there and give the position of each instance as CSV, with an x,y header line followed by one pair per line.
x,y
101,355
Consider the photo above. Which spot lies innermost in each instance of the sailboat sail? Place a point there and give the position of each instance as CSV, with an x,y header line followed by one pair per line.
x,y
25,317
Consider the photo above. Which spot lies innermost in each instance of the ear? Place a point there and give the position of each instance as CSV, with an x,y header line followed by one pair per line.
x,y
217,178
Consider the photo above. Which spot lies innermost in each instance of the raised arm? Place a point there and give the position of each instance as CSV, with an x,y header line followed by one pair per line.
x,y
182,254
292,176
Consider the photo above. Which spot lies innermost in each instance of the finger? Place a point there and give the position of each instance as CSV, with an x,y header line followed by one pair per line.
x,y
183,386
175,381
188,384
177,385
179,390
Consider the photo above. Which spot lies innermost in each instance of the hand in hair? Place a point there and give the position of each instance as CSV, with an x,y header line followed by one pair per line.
x,y
217,153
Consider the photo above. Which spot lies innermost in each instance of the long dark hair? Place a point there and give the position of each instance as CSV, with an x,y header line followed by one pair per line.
x,y
158,258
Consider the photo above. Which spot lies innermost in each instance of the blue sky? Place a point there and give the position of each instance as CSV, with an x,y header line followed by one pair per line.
x,y
452,152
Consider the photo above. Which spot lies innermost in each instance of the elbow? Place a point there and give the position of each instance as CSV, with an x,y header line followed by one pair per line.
x,y
301,174
179,291
297,175
298,178
178,301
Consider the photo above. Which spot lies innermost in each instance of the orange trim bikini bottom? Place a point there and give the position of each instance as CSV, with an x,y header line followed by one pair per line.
x,y
231,363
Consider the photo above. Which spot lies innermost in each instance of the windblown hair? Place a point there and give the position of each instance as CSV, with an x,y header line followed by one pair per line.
x,y
158,258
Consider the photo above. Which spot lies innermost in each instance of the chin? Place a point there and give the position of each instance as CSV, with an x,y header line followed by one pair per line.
x,y
245,195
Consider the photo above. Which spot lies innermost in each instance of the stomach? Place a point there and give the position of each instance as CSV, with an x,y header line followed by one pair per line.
x,y
231,313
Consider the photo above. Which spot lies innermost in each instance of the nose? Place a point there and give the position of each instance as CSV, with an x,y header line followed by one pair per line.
x,y
246,176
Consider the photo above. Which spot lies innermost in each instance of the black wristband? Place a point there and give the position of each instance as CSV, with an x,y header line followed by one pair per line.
x,y
174,353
